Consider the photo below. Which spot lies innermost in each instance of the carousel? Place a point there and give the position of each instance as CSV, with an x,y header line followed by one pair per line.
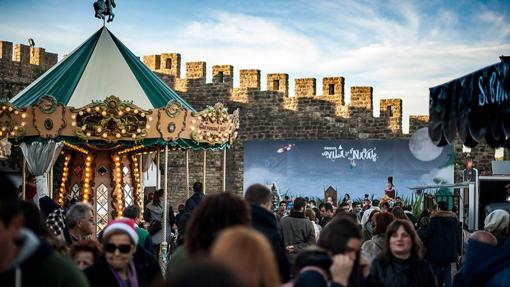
x,y
99,110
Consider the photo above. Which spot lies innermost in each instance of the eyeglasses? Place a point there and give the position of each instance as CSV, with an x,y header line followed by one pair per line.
x,y
123,248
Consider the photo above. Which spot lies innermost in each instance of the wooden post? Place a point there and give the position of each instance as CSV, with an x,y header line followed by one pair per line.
x,y
24,178
187,173
205,171
224,183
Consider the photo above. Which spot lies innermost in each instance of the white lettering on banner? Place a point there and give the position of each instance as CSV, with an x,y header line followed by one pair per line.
x,y
333,153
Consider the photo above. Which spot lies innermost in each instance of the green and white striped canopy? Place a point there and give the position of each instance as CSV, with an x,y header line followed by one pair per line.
x,y
102,66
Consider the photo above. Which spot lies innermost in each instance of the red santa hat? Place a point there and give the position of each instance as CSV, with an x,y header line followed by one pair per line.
x,y
125,224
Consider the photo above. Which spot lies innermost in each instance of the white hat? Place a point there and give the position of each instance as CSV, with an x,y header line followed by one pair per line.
x,y
125,224
497,220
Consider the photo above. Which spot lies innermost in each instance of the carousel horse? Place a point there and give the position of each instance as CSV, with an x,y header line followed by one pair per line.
x,y
104,8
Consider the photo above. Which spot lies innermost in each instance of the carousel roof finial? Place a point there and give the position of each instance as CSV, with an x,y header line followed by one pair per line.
x,y
104,8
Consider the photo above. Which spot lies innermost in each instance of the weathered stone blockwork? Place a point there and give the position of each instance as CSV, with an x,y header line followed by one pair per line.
x,y
273,114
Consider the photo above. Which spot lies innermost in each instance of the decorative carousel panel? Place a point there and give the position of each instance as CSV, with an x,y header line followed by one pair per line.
x,y
171,121
111,121
13,121
48,117
214,125
75,192
101,207
128,195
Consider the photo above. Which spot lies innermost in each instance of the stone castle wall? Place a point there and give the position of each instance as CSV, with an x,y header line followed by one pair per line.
x,y
270,114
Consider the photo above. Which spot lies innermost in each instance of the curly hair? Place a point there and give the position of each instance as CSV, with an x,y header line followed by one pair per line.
x,y
215,213
86,246
417,246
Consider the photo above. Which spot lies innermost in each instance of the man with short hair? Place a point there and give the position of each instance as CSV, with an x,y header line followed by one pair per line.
x,y
191,203
144,238
79,223
282,211
442,241
356,209
366,213
264,221
26,260
297,231
329,212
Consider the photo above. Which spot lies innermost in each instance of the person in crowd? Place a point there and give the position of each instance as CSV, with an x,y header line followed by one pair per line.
x,y
247,254
328,213
313,204
347,199
216,212
342,238
153,214
398,213
423,225
401,262
409,213
203,272
282,211
33,221
196,198
189,206
398,201
30,189
144,238
443,242
486,263
180,213
424,213
122,264
54,216
264,221
85,253
345,207
80,223
297,231
497,223
25,259
367,203
310,215
368,229
385,206
366,214
373,247
356,209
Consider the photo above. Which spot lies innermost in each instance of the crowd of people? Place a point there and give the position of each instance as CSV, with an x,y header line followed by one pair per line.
x,y
223,239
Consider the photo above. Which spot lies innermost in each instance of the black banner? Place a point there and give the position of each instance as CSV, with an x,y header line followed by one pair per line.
x,y
476,106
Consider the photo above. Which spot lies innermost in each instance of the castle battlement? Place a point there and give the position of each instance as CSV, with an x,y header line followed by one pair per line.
x,y
24,55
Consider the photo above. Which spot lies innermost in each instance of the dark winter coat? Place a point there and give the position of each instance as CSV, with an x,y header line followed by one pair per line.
x,y
485,265
146,265
442,238
297,231
400,273
45,268
193,201
265,222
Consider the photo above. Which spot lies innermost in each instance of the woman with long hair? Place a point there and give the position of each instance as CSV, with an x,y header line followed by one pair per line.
x,y
248,255
373,247
401,261
153,214
398,212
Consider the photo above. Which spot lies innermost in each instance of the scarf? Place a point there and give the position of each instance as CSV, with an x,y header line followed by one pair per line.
x,y
132,277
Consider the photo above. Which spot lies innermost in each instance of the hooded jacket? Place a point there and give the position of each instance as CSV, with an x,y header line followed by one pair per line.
x,y
485,265
39,265
265,222
442,238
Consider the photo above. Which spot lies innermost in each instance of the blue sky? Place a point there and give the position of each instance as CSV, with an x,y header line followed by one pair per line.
x,y
401,48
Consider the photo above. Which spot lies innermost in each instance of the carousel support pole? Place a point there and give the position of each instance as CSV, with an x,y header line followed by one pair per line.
x,y
158,173
50,188
141,193
187,173
224,183
24,178
164,245
205,171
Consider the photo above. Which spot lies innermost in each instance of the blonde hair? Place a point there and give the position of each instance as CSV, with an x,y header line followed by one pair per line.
x,y
248,255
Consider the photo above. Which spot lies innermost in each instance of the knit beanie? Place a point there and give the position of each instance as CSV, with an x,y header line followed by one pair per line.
x,y
497,220
125,224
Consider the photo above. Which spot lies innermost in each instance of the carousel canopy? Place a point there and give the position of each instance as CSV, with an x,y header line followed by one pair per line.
x,y
100,67
476,106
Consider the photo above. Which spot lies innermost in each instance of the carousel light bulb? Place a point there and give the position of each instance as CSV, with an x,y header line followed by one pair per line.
x,y
89,110
80,113
73,124
142,115
128,109
73,116
10,109
105,135
135,111
103,113
117,135
133,136
4,108
138,130
13,133
99,129
97,109
16,128
150,119
147,127
16,112
120,113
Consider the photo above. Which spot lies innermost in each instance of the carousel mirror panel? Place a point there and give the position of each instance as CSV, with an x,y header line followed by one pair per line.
x,y
101,207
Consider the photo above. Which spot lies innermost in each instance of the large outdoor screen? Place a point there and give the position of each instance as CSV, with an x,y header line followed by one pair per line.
x,y
357,167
